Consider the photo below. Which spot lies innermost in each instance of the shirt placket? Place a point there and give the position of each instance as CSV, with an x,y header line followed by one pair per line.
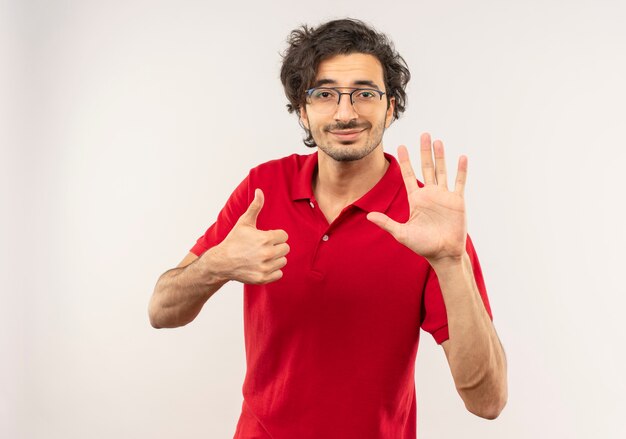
x,y
326,239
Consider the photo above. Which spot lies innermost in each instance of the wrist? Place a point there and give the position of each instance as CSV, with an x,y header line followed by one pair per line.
x,y
450,264
212,267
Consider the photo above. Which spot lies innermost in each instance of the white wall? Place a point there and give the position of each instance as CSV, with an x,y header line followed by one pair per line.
x,y
128,123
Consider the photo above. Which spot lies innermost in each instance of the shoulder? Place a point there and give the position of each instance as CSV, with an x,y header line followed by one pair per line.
x,y
289,166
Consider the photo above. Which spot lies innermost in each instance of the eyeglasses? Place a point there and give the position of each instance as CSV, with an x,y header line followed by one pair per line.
x,y
326,99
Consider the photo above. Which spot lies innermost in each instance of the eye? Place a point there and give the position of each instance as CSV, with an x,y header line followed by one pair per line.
x,y
366,95
324,94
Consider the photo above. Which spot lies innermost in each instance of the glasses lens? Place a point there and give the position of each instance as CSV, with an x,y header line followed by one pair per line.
x,y
325,100
365,101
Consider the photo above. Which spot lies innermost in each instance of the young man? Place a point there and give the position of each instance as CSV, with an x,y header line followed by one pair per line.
x,y
344,256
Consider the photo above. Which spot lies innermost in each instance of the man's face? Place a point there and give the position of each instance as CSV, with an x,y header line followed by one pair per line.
x,y
344,134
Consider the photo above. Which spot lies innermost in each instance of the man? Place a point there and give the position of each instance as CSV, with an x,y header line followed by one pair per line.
x,y
344,256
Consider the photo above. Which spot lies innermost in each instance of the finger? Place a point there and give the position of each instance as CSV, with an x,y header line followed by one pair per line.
x,y
276,264
249,217
428,167
281,250
274,276
270,276
274,252
408,175
386,223
461,176
277,236
440,164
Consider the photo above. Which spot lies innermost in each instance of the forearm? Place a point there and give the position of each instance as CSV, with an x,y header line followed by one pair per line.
x,y
477,360
180,293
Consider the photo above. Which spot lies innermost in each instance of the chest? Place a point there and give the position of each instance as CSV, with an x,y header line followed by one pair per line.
x,y
347,268
330,211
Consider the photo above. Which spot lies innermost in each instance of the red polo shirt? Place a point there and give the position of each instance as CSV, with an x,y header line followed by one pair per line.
x,y
331,346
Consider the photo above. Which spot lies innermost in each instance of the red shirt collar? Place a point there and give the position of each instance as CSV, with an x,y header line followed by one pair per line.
x,y
376,200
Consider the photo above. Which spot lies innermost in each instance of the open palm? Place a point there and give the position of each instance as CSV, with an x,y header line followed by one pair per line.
x,y
436,228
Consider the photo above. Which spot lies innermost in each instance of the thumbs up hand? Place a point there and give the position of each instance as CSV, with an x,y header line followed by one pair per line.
x,y
249,255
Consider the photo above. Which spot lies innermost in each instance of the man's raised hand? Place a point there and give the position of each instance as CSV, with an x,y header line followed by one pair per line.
x,y
253,256
437,225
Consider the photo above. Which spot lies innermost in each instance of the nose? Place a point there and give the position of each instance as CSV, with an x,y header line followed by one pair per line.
x,y
345,109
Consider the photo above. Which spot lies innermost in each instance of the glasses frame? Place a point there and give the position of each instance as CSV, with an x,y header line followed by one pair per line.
x,y
310,91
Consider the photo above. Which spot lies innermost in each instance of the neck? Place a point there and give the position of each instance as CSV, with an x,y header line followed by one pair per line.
x,y
345,182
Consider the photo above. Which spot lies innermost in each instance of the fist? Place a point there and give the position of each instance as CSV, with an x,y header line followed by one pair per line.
x,y
250,255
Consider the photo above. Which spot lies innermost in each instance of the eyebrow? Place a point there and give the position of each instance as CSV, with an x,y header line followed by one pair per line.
x,y
326,81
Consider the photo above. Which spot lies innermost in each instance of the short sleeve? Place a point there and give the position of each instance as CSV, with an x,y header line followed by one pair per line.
x,y
434,317
236,205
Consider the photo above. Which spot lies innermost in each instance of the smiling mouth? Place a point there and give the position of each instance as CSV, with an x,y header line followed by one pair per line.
x,y
347,134
346,131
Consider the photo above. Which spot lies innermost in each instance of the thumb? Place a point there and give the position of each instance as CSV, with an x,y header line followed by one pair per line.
x,y
249,217
385,223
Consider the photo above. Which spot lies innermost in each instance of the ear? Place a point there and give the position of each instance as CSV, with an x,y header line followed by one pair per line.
x,y
304,119
389,114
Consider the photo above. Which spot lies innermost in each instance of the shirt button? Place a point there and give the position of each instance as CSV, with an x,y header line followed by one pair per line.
x,y
325,238
312,205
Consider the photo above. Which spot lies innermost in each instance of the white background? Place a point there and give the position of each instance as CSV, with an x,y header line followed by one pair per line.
x,y
126,125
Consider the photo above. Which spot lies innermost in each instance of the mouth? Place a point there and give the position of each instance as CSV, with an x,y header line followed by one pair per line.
x,y
347,134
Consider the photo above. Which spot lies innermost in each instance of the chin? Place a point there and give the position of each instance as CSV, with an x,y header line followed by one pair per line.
x,y
343,153
347,158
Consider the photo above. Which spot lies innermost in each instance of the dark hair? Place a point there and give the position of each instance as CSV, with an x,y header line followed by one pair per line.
x,y
309,46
